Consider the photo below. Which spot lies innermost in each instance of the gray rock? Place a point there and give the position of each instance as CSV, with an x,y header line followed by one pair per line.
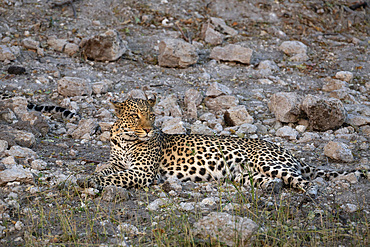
x,y
86,128
192,99
74,86
176,53
217,89
156,204
199,128
247,128
101,87
232,52
332,84
21,152
70,49
267,65
107,46
113,193
344,76
3,146
309,137
38,165
357,120
293,47
210,35
221,103
9,53
16,174
324,113
229,229
237,115
221,26
338,151
174,126
301,57
287,132
285,106
57,44
30,43
168,107
349,207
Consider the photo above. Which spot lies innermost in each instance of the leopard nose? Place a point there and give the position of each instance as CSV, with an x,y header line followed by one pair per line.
x,y
147,130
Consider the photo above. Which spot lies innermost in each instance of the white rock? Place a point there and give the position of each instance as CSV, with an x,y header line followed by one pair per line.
x,y
86,128
232,52
357,120
168,107
74,86
344,76
217,89
199,128
186,206
338,151
226,228
18,225
237,115
301,128
174,126
176,53
128,228
285,106
156,204
38,165
16,174
247,128
349,207
21,152
288,132
293,47
8,53
3,146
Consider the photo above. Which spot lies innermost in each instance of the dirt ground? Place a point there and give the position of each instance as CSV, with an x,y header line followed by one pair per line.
x,y
60,213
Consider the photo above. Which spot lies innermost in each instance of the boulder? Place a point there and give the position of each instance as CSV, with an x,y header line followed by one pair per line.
x,y
285,106
74,86
232,52
176,53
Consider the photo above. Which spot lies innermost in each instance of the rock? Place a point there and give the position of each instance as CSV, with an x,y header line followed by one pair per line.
x,y
174,126
3,146
217,89
332,84
100,87
365,130
74,86
324,113
247,128
221,103
9,53
285,106
301,57
237,115
338,151
232,52
113,193
268,66
199,128
349,208
221,26
70,49
29,43
107,46
21,152
176,53
17,137
287,132
156,204
16,70
16,174
293,47
192,99
225,228
344,76
213,37
57,44
168,107
38,165
210,35
128,229
265,81
85,129
186,206
357,120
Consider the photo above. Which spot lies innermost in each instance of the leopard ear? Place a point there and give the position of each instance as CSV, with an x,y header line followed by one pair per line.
x,y
152,101
117,105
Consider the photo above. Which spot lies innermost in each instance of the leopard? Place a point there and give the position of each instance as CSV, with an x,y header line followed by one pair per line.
x,y
141,152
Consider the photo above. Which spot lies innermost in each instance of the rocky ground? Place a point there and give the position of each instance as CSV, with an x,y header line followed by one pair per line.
x,y
293,72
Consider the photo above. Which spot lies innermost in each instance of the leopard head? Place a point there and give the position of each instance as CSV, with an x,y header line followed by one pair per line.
x,y
135,119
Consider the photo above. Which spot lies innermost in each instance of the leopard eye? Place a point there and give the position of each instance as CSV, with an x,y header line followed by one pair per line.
x,y
135,115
